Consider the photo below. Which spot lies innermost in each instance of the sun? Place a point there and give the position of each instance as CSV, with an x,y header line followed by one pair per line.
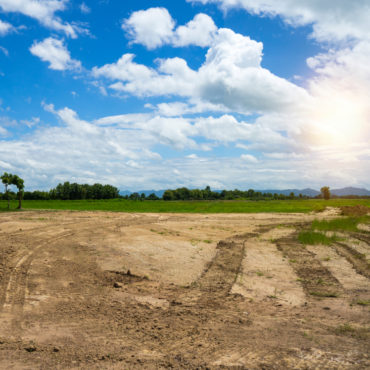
x,y
341,118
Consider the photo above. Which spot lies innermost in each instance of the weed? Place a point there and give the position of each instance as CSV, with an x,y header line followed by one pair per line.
x,y
313,238
339,224
293,261
207,241
326,259
348,329
325,294
363,302
259,273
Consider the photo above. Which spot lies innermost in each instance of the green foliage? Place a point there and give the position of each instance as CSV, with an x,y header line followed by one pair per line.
x,y
313,238
325,192
339,224
207,194
9,179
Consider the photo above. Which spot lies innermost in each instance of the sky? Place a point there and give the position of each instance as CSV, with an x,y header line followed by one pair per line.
x,y
160,94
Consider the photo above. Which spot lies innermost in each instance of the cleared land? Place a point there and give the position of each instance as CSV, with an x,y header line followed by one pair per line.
x,y
127,290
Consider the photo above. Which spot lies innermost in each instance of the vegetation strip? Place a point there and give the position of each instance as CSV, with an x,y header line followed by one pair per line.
x,y
160,206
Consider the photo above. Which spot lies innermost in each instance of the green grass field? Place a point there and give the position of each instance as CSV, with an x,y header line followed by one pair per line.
x,y
240,206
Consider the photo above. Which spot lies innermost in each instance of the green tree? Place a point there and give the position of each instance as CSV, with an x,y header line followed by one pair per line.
x,y
6,179
19,183
325,192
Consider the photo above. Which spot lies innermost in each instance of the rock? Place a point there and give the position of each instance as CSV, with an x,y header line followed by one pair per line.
x,y
30,349
118,284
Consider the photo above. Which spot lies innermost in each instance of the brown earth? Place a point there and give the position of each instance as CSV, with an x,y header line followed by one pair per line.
x,y
97,290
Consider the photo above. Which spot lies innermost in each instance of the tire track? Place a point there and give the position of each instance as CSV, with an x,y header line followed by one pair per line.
x,y
315,278
356,259
14,295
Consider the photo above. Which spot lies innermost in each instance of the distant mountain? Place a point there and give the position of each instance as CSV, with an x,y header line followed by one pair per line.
x,y
350,191
158,193
306,192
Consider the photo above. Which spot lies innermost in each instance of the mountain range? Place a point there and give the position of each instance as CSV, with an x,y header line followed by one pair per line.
x,y
308,192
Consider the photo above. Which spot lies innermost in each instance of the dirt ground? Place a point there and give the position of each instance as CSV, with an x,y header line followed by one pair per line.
x,y
97,290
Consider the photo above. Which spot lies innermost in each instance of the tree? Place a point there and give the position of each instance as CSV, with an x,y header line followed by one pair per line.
x,y
325,192
19,183
6,179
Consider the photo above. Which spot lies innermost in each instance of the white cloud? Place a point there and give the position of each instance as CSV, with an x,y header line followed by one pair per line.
x,y
84,8
43,11
249,158
155,27
53,51
3,131
119,150
200,32
151,28
4,50
331,20
5,28
192,156
231,77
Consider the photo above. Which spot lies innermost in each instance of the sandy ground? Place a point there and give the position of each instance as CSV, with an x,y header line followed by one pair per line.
x,y
113,290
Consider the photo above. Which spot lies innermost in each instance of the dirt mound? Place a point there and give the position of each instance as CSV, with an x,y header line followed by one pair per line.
x,y
355,211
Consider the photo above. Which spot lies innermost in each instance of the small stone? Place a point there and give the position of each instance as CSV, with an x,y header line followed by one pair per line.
x,y
30,349
326,308
118,284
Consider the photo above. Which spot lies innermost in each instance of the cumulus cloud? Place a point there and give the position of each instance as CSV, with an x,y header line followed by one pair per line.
x,y
54,51
44,12
331,20
5,28
151,28
155,27
231,77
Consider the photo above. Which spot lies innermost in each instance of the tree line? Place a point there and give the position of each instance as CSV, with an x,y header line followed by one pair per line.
x,y
207,194
74,191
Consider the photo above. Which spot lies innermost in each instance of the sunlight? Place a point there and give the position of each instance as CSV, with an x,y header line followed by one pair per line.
x,y
341,118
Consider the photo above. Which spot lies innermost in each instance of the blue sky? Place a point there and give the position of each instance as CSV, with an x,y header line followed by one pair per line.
x,y
156,94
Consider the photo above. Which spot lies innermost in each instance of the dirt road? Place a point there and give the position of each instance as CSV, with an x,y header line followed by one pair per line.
x,y
110,290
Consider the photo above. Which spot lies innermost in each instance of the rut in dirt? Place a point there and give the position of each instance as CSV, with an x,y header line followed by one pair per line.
x,y
220,275
315,278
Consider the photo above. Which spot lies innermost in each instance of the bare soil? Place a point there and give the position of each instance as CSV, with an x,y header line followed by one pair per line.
x,y
97,290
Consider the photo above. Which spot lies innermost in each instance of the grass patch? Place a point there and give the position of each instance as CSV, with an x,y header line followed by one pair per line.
x,y
348,329
340,224
363,302
313,238
325,294
160,206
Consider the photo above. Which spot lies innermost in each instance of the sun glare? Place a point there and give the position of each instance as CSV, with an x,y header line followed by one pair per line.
x,y
340,118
